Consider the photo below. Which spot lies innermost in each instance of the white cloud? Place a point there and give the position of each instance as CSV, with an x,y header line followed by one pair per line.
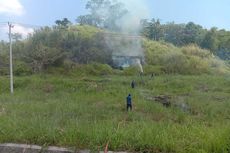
x,y
11,7
24,31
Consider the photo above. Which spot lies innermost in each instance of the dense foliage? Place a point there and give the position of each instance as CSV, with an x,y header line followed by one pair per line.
x,y
217,41
73,45
168,48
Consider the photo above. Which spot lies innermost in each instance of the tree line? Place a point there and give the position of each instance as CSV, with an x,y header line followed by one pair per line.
x,y
52,46
105,13
84,42
217,41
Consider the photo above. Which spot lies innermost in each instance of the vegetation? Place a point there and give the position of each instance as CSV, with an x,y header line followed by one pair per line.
x,y
88,43
67,92
67,47
217,41
185,60
103,14
85,111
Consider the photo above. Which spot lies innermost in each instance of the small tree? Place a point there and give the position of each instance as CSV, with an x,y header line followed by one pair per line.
x,y
64,23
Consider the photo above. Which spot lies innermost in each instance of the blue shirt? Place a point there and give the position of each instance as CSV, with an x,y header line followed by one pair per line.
x,y
129,100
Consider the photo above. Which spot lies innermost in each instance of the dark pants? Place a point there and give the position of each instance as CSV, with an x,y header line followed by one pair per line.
x,y
129,106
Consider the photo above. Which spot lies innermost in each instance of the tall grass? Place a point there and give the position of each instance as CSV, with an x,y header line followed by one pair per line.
x,y
185,60
89,111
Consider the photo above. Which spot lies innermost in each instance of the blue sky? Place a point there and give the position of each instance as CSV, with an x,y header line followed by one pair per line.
x,y
208,13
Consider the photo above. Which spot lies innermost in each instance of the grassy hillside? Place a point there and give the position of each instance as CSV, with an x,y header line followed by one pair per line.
x,y
183,60
85,111
83,105
57,47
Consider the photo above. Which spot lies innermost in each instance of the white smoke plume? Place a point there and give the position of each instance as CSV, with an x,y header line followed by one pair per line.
x,y
137,10
128,43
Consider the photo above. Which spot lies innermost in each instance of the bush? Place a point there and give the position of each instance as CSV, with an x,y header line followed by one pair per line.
x,y
197,66
98,69
133,70
4,70
153,69
21,69
174,62
155,51
4,65
194,50
218,66
186,60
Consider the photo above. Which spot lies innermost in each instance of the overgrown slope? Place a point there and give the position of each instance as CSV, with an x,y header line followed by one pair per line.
x,y
58,47
182,60
86,112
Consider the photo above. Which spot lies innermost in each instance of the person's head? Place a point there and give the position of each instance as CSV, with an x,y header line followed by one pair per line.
x,y
129,94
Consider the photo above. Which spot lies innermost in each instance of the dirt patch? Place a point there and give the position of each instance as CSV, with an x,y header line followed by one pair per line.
x,y
169,101
48,88
203,88
164,100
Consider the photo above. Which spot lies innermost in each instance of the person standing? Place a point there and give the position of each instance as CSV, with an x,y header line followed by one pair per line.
x,y
133,84
129,102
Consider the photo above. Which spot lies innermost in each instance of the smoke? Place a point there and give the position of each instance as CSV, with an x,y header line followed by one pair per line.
x,y
128,41
139,64
137,10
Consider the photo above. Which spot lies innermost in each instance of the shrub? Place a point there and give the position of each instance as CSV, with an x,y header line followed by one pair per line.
x,y
174,62
154,51
4,70
153,69
197,66
186,60
4,65
218,66
71,68
98,69
133,70
21,69
194,50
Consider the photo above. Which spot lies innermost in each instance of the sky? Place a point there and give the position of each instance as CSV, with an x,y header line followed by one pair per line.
x,y
29,14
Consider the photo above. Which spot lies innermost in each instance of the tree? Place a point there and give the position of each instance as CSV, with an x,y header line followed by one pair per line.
x,y
43,49
115,12
4,57
153,29
86,44
173,33
17,36
158,32
85,20
192,33
64,23
210,40
103,14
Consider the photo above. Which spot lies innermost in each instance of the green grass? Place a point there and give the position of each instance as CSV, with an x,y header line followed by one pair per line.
x,y
88,111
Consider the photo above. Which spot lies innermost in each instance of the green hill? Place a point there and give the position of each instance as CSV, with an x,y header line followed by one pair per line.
x,y
76,45
67,94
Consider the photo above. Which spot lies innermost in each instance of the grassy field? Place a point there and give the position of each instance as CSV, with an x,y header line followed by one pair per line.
x,y
87,112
